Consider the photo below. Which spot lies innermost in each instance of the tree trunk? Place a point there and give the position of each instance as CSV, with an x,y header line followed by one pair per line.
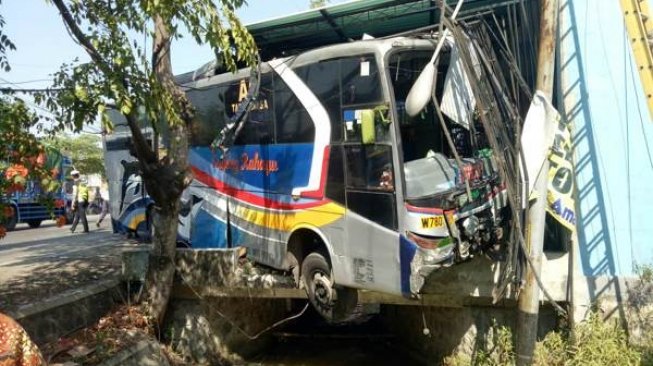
x,y
166,178
165,182
161,269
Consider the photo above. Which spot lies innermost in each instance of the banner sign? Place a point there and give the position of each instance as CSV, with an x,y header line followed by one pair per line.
x,y
560,199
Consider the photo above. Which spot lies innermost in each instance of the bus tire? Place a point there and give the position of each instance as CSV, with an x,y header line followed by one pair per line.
x,y
335,304
34,223
10,223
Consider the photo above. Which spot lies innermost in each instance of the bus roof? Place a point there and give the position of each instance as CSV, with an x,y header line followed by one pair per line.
x,y
204,76
351,20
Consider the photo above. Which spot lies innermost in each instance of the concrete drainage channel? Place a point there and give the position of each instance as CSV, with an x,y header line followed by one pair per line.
x,y
60,315
63,314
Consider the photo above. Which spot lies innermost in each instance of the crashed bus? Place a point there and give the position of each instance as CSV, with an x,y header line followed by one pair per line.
x,y
325,174
329,177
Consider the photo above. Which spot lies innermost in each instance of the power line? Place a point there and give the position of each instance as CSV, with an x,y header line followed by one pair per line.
x,y
5,81
29,90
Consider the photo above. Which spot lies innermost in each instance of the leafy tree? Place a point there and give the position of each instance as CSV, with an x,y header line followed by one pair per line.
x,y
5,44
84,150
22,157
122,76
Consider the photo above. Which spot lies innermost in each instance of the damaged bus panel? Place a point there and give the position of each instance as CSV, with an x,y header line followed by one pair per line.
x,y
330,179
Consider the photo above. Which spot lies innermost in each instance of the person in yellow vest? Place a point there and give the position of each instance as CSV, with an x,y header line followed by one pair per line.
x,y
80,202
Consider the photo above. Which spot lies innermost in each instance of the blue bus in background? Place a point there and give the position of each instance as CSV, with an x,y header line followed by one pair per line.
x,y
28,205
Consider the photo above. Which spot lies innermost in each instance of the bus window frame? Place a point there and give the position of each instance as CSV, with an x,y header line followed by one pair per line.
x,y
400,177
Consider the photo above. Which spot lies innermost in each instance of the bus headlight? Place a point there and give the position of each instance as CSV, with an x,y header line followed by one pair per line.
x,y
435,250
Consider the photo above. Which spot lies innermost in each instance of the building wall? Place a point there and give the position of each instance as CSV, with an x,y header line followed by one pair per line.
x,y
601,94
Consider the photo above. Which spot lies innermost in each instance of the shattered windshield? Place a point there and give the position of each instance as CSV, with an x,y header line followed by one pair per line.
x,y
427,168
421,133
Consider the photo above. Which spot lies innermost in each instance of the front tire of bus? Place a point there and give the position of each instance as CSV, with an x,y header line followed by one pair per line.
x,y
334,304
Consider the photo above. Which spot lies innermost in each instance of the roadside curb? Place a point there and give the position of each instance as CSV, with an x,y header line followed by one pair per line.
x,y
59,315
143,353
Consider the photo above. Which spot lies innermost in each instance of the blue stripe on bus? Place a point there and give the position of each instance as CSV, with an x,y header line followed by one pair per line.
x,y
406,254
207,231
259,169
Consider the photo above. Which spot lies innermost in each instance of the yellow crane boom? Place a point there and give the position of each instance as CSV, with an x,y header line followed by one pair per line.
x,y
640,34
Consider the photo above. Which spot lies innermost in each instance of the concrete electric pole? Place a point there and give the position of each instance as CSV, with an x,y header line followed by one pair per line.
x,y
529,299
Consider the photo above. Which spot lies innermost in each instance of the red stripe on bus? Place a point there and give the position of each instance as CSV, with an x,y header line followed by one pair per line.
x,y
319,192
249,197
428,210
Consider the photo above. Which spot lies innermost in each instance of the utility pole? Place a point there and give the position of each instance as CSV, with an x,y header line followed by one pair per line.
x,y
529,298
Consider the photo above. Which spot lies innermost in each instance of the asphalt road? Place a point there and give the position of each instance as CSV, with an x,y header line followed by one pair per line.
x,y
50,259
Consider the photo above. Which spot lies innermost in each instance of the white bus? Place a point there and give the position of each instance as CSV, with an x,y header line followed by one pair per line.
x,y
330,179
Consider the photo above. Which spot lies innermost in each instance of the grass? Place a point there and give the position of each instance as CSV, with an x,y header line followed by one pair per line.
x,y
596,342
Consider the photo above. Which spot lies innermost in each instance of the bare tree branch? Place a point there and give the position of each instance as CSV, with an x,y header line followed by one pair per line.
x,y
143,149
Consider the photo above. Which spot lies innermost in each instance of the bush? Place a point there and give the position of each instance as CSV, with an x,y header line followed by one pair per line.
x,y
601,342
500,353
597,342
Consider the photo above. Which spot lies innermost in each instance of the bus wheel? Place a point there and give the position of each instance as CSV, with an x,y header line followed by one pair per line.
x,y
335,304
34,223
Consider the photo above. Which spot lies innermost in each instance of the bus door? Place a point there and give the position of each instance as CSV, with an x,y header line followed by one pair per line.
x,y
371,218
360,174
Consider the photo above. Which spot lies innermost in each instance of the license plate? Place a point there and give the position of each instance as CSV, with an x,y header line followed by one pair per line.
x,y
432,222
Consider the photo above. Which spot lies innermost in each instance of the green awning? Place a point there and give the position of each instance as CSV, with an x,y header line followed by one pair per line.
x,y
350,20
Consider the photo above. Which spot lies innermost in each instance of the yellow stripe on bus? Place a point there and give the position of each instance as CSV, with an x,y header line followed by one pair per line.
x,y
285,221
137,219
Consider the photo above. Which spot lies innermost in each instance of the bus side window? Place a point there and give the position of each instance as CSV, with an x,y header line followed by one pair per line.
x,y
370,183
210,114
369,167
323,78
293,123
335,188
360,81
259,125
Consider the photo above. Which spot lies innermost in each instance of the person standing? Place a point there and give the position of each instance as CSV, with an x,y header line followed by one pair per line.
x,y
80,202
104,195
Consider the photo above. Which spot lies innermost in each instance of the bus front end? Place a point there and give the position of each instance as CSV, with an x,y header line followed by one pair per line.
x,y
455,204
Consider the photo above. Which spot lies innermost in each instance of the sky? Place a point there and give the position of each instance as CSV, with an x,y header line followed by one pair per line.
x,y
43,43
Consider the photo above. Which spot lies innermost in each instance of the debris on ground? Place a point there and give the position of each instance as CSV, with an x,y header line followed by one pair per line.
x,y
121,328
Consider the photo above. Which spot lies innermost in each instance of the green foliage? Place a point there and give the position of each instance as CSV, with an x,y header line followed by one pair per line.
x,y
601,342
645,273
640,303
499,353
502,351
121,75
597,342
5,45
22,156
84,150
552,350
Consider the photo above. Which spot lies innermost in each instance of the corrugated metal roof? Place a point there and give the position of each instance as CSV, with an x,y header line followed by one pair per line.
x,y
350,20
